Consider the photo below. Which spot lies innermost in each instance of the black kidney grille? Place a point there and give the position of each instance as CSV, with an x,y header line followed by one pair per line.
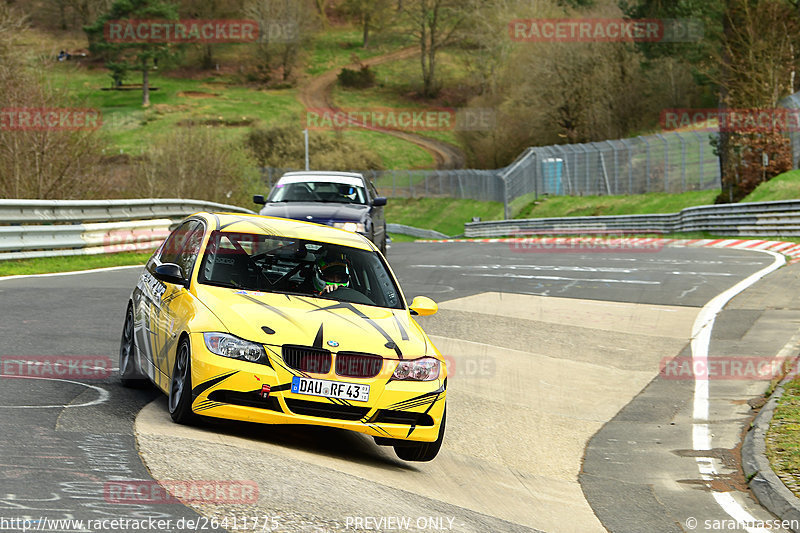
x,y
304,359
358,365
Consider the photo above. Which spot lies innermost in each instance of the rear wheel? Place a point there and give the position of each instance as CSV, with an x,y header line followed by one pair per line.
x,y
129,374
424,451
180,389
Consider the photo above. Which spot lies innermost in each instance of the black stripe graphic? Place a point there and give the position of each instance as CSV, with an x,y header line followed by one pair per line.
x,y
403,333
349,307
318,339
198,390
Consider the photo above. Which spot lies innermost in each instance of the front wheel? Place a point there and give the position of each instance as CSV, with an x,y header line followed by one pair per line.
x,y
424,451
180,389
129,374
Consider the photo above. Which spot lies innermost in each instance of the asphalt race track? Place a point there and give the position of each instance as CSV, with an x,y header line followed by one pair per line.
x,y
558,419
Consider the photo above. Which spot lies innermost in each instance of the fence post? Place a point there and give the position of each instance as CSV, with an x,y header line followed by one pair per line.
x,y
616,167
683,161
666,161
630,164
586,164
506,201
702,163
647,175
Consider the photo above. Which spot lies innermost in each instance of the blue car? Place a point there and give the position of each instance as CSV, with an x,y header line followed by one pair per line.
x,y
340,199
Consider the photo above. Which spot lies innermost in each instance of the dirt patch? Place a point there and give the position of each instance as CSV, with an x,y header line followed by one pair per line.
x,y
217,122
317,94
730,458
197,94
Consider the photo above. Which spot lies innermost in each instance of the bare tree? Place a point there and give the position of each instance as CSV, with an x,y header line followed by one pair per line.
x,y
285,26
757,58
370,14
435,24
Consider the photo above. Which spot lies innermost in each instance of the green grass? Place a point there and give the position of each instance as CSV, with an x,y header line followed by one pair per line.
x,y
131,128
445,215
395,153
47,265
397,83
783,187
783,437
220,98
574,206
396,237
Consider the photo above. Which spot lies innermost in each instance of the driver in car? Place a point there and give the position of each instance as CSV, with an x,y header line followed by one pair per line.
x,y
330,276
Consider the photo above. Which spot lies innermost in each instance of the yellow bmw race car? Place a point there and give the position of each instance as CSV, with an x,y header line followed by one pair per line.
x,y
283,322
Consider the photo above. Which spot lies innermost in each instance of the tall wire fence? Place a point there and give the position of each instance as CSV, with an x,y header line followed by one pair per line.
x,y
672,162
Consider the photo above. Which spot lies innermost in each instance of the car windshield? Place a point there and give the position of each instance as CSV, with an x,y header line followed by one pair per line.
x,y
318,191
275,264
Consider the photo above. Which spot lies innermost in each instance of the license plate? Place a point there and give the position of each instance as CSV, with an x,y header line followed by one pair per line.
x,y
330,389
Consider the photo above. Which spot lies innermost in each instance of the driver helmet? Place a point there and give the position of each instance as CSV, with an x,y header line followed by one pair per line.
x,y
333,273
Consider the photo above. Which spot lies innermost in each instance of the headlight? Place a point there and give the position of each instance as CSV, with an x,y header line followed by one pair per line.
x,y
425,369
351,226
235,348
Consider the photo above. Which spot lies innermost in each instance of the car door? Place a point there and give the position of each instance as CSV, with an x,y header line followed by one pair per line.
x,y
172,310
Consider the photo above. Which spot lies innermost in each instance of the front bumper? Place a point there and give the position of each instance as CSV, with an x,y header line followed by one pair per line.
x,y
231,389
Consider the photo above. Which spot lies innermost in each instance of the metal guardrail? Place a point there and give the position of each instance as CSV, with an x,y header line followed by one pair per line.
x,y
761,219
415,232
50,228
79,211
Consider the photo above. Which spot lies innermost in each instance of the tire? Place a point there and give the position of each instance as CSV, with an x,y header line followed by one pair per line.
x,y
383,244
180,387
129,374
424,451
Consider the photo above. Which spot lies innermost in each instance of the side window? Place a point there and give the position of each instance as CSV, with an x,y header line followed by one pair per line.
x,y
191,248
173,247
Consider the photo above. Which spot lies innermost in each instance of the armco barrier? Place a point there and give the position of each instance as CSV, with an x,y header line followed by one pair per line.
x,y
49,228
415,232
758,219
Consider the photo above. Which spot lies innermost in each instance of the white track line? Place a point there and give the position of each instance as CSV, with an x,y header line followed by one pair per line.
x,y
103,395
93,271
701,432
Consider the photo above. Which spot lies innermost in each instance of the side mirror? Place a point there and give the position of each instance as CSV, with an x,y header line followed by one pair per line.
x,y
259,199
423,306
170,273
379,201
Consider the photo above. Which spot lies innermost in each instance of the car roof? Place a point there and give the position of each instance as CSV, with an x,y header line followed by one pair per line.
x,y
349,178
293,229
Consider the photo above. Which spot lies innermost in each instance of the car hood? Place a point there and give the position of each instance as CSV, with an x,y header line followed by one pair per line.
x,y
322,213
307,321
